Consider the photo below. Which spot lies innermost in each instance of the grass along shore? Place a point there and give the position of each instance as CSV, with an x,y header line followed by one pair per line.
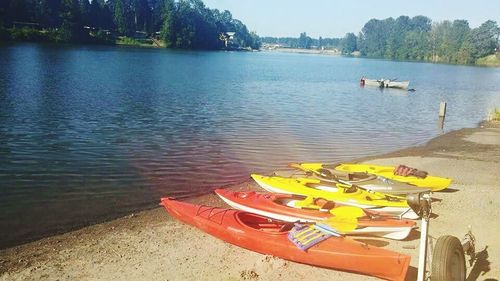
x,y
491,60
152,246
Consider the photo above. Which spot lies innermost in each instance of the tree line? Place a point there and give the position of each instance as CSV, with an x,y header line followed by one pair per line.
x,y
418,38
303,42
181,24
190,24
406,38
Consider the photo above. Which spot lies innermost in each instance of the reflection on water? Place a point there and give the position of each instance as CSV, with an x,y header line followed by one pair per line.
x,y
88,133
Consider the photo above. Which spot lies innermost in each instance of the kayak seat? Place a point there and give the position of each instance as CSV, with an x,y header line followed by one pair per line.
x,y
328,205
334,176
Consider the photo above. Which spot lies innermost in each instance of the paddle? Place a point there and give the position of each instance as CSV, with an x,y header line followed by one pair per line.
x,y
307,203
343,184
319,174
344,219
340,225
347,212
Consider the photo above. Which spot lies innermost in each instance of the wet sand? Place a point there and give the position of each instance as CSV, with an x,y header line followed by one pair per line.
x,y
152,246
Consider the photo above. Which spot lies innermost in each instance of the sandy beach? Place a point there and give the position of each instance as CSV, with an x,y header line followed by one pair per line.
x,y
152,246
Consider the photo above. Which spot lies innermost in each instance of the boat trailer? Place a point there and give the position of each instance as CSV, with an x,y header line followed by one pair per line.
x,y
447,257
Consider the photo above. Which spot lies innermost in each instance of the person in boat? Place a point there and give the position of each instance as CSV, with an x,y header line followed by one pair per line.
x,y
362,81
381,83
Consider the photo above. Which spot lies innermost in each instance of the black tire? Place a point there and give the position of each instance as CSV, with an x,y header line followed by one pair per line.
x,y
448,260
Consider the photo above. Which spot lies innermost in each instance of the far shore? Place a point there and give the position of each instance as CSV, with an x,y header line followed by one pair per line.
x,y
333,52
150,245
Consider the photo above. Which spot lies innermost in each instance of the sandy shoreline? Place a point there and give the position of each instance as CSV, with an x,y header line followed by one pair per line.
x,y
152,246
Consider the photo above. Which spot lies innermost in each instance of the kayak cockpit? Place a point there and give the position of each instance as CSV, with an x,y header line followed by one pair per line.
x,y
306,202
262,223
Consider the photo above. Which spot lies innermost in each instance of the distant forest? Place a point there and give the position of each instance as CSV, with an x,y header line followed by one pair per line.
x,y
185,24
303,42
406,38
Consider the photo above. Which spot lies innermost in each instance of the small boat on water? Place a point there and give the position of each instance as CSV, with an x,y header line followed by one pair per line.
x,y
385,83
272,237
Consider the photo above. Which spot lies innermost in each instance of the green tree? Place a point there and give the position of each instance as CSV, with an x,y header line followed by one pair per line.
x,y
122,17
349,43
85,12
484,39
142,15
168,29
71,28
305,41
375,37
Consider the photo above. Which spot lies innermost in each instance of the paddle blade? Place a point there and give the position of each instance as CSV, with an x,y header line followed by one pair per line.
x,y
307,203
342,224
347,212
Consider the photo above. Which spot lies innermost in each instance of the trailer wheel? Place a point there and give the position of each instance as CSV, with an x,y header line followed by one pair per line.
x,y
448,260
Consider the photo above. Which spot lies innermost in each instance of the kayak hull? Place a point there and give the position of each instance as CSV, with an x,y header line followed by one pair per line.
x,y
386,83
267,236
277,206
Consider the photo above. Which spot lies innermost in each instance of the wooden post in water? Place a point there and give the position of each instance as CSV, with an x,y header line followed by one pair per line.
x,y
442,114
442,109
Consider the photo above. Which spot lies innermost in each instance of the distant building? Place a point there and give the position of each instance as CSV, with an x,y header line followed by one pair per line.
x,y
270,46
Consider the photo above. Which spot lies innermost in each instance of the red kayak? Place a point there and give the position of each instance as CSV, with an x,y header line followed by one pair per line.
x,y
267,236
284,207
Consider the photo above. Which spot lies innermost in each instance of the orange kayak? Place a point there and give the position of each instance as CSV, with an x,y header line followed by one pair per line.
x,y
286,207
268,236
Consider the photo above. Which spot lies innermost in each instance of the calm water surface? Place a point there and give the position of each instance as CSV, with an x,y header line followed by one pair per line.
x,y
90,133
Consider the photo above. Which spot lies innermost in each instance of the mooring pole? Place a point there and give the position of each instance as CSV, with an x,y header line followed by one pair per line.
x,y
442,109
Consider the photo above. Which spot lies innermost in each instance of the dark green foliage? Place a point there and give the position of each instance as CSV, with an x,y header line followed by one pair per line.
x,y
4,34
305,41
417,39
183,23
71,29
122,17
28,34
349,43
189,24
484,39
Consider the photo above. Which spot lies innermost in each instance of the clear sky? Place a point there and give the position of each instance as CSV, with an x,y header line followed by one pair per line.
x,y
334,18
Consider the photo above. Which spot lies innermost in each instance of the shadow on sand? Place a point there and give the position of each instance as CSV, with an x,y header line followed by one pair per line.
x,y
481,266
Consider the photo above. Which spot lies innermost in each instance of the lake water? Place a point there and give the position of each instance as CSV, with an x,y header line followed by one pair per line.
x,y
91,133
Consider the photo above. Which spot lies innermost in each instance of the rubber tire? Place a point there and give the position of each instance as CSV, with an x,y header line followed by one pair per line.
x,y
448,260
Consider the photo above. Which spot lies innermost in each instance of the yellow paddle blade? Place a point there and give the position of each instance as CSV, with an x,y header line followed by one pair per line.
x,y
307,203
342,224
347,212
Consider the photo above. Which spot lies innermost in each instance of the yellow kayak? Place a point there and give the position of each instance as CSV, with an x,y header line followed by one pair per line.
x,y
340,193
431,182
